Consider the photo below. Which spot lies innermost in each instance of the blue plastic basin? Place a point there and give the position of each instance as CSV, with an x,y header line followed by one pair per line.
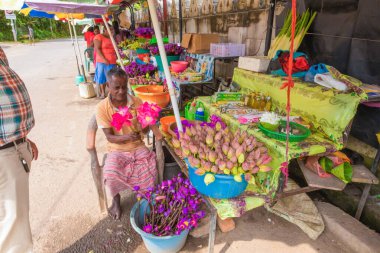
x,y
79,79
155,244
224,186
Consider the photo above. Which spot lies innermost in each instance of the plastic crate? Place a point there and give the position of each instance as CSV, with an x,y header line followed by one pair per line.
x,y
227,49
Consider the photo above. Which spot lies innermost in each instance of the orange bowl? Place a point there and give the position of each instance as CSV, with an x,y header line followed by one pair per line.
x,y
167,121
153,94
179,66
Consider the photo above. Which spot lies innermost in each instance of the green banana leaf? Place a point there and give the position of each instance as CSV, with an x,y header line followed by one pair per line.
x,y
342,171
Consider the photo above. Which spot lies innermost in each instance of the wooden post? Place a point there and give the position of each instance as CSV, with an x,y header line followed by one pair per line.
x,y
96,169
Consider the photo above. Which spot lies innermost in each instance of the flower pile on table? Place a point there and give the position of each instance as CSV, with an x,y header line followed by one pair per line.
x,y
174,206
213,148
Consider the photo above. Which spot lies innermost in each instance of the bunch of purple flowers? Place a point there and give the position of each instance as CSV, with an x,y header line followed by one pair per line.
x,y
135,69
174,207
145,32
170,49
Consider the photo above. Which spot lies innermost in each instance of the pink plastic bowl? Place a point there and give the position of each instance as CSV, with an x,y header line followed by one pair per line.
x,y
179,66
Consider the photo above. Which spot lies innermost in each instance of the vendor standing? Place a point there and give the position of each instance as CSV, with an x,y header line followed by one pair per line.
x,y
105,59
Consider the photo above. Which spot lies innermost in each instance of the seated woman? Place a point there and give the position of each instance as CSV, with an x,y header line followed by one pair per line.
x,y
129,162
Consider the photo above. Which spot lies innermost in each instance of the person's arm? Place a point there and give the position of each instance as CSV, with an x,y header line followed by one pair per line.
x,y
120,139
98,48
157,133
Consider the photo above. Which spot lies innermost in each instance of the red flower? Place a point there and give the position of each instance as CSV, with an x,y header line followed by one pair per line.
x,y
300,64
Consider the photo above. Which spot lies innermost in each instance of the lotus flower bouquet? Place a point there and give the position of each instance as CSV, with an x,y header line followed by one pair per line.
x,y
170,49
147,115
214,149
174,206
270,120
135,69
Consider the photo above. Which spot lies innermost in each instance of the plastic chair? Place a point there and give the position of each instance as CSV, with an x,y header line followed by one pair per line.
x,y
89,58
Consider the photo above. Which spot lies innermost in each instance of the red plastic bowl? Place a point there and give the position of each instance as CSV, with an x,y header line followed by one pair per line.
x,y
179,66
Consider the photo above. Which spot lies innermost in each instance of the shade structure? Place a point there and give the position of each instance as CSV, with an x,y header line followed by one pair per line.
x,y
27,11
61,15
12,5
69,7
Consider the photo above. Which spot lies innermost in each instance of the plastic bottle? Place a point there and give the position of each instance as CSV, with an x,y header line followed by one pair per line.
x,y
268,104
200,114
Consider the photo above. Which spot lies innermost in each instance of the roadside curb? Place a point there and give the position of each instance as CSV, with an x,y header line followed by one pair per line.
x,y
348,230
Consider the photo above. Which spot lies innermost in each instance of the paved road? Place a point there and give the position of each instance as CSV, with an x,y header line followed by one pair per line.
x,y
63,201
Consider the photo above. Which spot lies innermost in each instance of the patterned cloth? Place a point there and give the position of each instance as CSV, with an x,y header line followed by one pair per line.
x,y
124,170
16,114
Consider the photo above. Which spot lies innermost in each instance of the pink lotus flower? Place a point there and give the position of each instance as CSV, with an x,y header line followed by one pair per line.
x,y
147,114
120,118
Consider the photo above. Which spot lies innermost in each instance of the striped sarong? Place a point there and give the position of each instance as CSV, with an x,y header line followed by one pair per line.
x,y
124,170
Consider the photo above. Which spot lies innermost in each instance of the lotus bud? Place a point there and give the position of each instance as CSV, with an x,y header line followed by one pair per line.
x,y
226,131
250,147
200,172
176,143
239,151
227,139
218,126
245,166
209,178
240,170
247,177
229,165
186,151
188,131
235,144
217,161
226,171
234,171
222,165
231,152
264,168
214,169
241,158
198,128
193,149
257,154
218,136
207,166
263,150
212,156
194,162
260,144
234,159
238,178
193,131
202,155
209,140
225,148
266,159
255,170
178,151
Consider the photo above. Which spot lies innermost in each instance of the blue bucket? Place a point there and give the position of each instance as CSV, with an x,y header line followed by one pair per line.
x,y
224,186
79,79
155,244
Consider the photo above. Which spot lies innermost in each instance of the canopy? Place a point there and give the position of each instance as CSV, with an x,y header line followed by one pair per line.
x,y
69,7
27,11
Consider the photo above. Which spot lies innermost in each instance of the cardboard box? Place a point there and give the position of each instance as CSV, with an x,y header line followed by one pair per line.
x,y
199,43
254,63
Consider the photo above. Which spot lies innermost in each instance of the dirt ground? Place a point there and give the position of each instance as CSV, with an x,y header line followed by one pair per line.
x,y
64,211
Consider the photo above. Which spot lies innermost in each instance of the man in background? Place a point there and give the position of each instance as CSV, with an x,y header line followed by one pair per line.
x,y
31,35
16,154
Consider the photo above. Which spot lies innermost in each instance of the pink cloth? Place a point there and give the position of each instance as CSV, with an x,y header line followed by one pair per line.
x,y
124,170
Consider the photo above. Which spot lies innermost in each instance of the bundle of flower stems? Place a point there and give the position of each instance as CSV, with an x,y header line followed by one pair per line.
x,y
282,40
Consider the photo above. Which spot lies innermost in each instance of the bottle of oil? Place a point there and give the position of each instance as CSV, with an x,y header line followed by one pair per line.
x,y
262,103
257,102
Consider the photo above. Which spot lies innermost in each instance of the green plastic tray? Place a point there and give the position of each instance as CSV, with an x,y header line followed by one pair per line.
x,y
282,136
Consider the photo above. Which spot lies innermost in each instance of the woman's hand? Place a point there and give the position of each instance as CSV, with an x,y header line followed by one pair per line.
x,y
34,149
132,137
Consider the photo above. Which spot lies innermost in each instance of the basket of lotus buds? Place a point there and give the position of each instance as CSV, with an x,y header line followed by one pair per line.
x,y
221,162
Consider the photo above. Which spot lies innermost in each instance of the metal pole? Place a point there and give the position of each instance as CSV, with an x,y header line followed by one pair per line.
x,y
165,5
160,43
14,30
180,20
268,38
80,53
72,43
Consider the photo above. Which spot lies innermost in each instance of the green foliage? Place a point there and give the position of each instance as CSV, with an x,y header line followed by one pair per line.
x,y
43,28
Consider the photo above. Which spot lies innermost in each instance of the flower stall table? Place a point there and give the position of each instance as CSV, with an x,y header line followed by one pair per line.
x,y
329,111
